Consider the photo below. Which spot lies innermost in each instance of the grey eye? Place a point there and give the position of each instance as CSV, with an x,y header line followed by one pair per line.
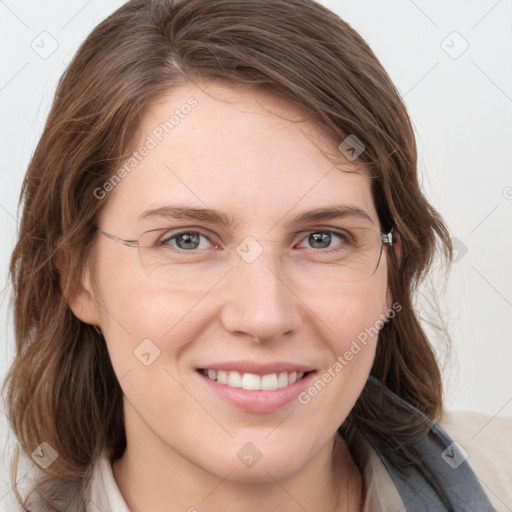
x,y
186,240
322,239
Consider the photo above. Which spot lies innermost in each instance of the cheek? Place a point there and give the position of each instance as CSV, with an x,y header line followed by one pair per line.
x,y
354,344
147,327
353,318
354,312
141,318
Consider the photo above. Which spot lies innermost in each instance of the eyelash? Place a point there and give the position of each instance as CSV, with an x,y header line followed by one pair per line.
x,y
345,237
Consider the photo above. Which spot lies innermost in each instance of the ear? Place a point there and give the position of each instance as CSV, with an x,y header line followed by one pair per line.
x,y
397,248
78,293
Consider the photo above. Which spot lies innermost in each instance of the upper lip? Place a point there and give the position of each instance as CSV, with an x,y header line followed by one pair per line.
x,y
258,368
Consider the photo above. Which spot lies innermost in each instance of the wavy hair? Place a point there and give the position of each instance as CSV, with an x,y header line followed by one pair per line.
x,y
61,387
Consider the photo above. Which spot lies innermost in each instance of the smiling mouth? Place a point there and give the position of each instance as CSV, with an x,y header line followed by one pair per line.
x,y
253,382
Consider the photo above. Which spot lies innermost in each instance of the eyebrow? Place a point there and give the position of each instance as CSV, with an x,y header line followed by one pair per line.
x,y
221,218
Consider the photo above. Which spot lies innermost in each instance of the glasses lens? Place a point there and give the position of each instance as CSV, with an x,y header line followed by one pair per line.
x,y
355,256
183,259
343,256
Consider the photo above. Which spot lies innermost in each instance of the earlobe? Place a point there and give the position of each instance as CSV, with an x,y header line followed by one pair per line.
x,y
397,247
389,307
78,293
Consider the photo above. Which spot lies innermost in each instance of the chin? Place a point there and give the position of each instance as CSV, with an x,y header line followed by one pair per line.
x,y
258,462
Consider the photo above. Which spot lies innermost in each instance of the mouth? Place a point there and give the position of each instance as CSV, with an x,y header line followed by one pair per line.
x,y
256,388
253,381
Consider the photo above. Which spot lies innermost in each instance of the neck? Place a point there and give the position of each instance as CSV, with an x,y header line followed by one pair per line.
x,y
148,480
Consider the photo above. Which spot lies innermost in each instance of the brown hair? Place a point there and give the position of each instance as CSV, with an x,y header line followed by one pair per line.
x,y
61,385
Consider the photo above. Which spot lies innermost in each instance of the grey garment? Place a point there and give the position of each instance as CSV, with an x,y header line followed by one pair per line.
x,y
429,470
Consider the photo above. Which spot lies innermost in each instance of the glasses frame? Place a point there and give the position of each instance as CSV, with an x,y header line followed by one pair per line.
x,y
387,240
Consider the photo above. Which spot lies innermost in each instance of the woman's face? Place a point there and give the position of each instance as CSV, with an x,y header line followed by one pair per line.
x,y
256,302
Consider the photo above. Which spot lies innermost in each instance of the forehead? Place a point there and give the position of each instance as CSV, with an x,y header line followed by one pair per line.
x,y
237,148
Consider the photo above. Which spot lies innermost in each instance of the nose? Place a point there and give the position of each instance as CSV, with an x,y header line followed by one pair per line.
x,y
260,302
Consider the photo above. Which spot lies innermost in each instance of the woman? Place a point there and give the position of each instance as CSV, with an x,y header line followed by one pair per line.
x,y
222,235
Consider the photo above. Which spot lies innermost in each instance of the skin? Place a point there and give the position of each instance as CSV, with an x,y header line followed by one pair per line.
x,y
238,152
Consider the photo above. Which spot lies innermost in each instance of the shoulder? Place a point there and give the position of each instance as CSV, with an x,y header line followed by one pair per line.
x,y
486,443
460,463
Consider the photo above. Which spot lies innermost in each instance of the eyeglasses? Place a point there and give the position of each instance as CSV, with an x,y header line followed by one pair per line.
x,y
356,258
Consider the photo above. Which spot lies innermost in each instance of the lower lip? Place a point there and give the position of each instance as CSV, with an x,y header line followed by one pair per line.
x,y
258,401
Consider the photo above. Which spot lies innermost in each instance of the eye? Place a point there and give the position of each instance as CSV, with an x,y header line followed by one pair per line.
x,y
186,241
194,241
323,239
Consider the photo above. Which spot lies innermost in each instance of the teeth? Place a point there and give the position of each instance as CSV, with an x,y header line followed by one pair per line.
x,y
282,380
253,382
269,382
234,380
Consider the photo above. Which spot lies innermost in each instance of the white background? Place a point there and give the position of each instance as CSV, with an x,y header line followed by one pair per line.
x,y
462,112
